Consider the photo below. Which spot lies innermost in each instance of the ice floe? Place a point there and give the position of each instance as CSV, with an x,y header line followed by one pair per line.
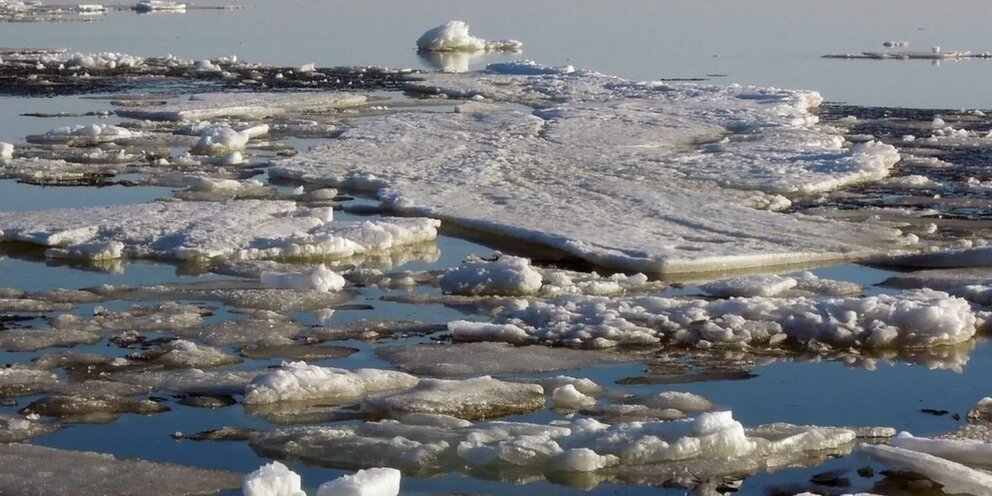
x,y
687,451
273,479
491,358
643,193
379,481
915,318
475,398
319,279
302,383
241,229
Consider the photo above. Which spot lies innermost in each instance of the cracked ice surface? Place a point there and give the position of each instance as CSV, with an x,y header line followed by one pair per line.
x,y
244,229
638,176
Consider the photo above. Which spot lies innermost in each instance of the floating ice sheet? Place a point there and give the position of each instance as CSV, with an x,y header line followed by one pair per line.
x,y
491,358
243,229
645,177
711,445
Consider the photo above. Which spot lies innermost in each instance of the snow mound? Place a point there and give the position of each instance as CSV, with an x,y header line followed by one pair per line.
x,y
319,279
510,276
368,482
453,36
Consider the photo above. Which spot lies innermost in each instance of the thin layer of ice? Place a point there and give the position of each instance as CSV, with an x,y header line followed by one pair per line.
x,y
479,397
209,106
68,471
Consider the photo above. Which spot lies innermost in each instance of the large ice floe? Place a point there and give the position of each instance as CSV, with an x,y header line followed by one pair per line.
x,y
647,177
244,229
914,318
708,446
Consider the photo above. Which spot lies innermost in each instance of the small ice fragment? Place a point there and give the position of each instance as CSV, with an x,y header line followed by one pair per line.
x,y
568,397
307,68
273,479
319,279
6,151
368,482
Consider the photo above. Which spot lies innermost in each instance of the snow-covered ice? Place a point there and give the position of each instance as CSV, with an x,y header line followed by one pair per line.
x,y
302,383
509,276
613,171
242,229
914,318
713,444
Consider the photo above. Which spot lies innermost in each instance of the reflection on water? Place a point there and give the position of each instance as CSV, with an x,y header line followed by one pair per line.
x,y
450,61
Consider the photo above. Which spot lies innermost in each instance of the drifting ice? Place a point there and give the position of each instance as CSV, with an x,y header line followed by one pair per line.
x,y
453,36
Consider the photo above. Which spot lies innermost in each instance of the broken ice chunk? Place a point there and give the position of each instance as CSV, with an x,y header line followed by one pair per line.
x,y
300,382
273,479
222,139
750,286
368,482
509,276
6,151
480,397
570,398
16,429
25,382
453,36
319,279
